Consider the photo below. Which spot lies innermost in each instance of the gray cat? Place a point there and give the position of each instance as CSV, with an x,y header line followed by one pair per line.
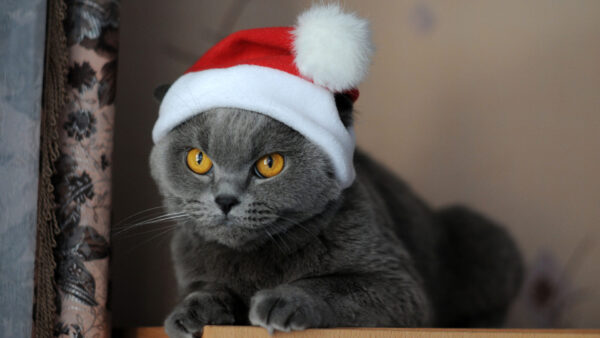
x,y
296,251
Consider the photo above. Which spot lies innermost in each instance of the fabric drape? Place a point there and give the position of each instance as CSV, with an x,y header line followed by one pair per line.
x,y
53,101
83,169
22,36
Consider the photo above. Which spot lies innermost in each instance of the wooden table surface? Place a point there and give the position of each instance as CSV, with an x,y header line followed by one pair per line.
x,y
256,332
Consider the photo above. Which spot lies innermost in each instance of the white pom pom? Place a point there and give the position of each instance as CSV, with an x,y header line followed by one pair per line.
x,y
332,48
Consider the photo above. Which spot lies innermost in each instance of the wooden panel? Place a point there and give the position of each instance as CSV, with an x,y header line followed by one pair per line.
x,y
255,332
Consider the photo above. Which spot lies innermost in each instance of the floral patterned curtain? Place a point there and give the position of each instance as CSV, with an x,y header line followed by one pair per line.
x,y
82,179
57,92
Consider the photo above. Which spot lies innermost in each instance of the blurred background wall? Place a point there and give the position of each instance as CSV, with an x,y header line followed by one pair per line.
x,y
494,104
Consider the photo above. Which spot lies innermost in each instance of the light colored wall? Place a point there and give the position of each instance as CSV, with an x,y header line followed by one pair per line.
x,y
496,104
492,104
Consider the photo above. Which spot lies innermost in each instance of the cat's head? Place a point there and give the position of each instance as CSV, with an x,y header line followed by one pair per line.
x,y
212,168
282,153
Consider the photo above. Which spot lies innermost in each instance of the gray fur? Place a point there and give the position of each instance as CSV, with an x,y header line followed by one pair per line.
x,y
300,252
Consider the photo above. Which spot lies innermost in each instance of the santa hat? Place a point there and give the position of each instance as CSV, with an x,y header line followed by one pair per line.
x,y
287,73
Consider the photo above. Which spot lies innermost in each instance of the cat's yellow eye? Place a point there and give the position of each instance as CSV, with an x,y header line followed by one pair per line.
x,y
198,162
269,165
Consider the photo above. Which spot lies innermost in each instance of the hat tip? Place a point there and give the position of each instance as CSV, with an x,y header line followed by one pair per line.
x,y
331,47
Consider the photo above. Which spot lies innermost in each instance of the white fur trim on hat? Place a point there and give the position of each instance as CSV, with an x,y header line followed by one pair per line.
x,y
299,104
332,48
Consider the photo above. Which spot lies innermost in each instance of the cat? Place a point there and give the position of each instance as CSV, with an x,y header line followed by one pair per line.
x,y
296,251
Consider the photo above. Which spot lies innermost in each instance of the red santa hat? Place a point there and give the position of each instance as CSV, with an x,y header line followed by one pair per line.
x,y
287,73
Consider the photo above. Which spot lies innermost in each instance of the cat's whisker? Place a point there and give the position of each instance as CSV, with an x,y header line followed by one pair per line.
x,y
274,241
162,233
166,238
296,223
136,220
289,236
147,231
126,219
283,235
157,214
161,218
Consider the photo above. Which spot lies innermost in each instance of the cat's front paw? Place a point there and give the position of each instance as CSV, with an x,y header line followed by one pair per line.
x,y
285,309
199,308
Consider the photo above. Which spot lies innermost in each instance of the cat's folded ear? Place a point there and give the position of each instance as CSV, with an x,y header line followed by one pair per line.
x,y
160,91
344,105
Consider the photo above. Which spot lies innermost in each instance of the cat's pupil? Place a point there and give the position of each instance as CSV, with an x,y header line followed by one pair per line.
x,y
270,162
199,157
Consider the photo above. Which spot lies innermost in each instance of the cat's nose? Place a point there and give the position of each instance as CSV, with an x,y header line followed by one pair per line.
x,y
226,202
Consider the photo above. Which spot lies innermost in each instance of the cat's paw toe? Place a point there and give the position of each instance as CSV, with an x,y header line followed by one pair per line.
x,y
283,311
176,326
194,312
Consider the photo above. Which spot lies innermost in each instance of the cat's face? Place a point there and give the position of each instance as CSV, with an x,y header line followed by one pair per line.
x,y
231,203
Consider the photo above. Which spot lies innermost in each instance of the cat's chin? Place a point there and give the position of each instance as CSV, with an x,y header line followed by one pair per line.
x,y
233,235
244,245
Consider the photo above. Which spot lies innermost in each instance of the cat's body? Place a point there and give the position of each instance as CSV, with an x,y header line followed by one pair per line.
x,y
298,251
